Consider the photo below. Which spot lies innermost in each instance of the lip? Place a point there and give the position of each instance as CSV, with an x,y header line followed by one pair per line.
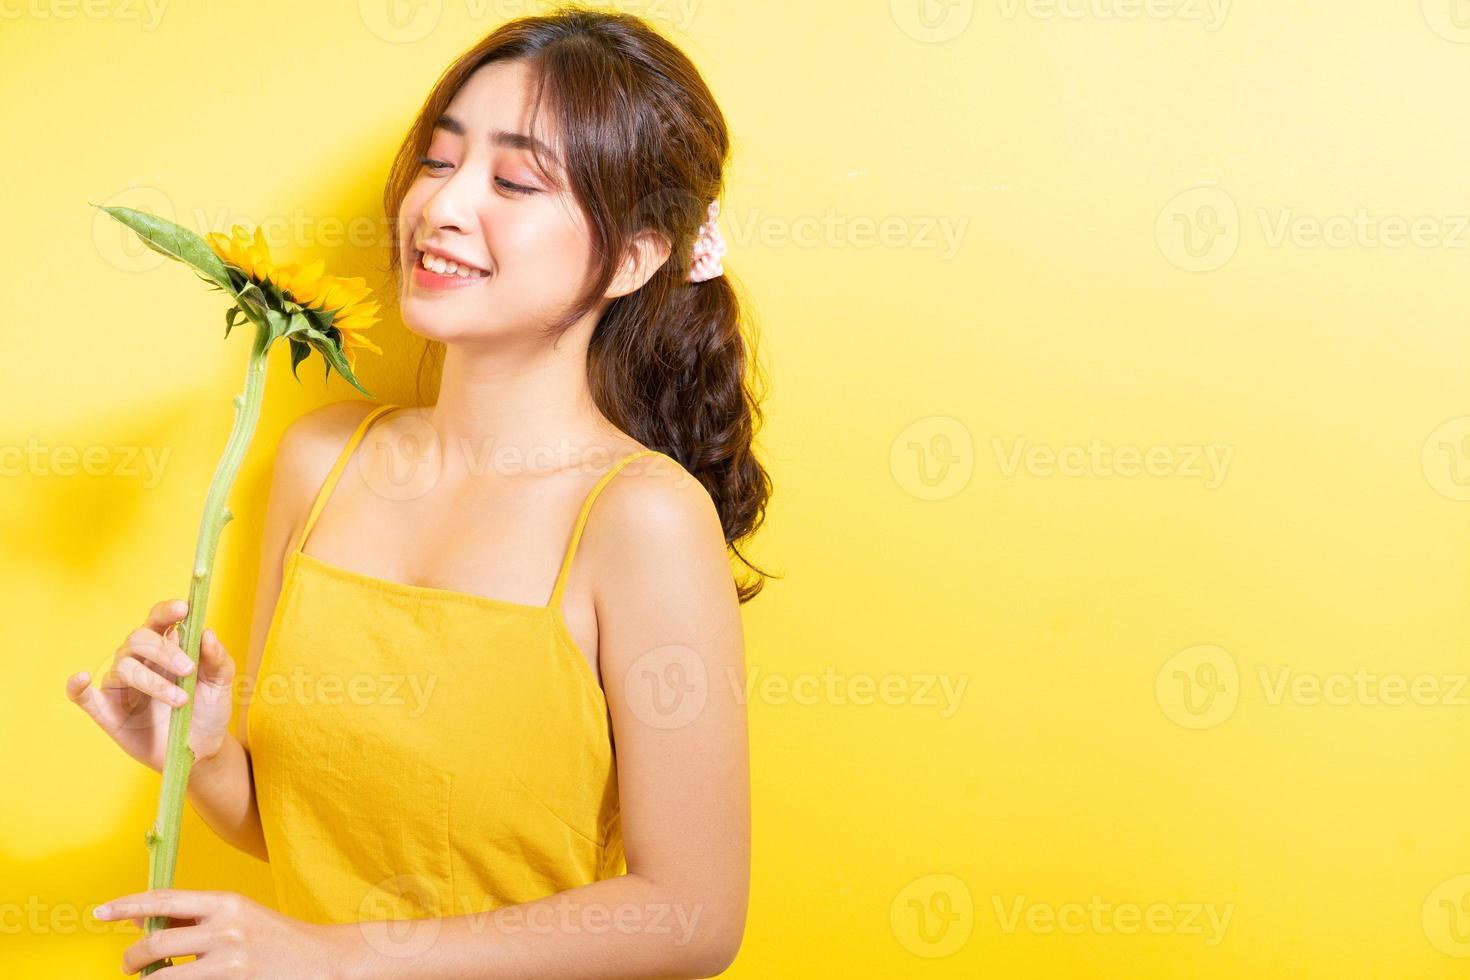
x,y
429,279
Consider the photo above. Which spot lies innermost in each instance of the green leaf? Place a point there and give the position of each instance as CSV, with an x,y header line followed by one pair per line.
x,y
231,315
299,352
251,297
277,323
333,356
299,324
180,244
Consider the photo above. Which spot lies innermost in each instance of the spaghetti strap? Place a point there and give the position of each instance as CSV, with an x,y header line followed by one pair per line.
x,y
566,562
336,471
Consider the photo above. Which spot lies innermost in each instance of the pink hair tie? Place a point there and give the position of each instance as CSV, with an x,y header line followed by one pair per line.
x,y
708,248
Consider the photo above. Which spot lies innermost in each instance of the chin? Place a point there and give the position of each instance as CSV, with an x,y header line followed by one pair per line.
x,y
435,322
431,324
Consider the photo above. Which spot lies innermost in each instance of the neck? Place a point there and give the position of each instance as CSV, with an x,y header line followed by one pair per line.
x,y
502,410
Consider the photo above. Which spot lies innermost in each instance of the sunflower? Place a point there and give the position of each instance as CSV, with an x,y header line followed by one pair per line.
x,y
340,298
344,297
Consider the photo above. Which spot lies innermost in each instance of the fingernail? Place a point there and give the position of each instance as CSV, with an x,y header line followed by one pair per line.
x,y
177,696
183,663
102,911
180,605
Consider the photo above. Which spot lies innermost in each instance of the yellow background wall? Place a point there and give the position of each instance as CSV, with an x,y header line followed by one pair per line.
x,y
1120,432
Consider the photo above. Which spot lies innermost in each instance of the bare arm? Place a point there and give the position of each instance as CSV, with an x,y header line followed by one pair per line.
x,y
667,612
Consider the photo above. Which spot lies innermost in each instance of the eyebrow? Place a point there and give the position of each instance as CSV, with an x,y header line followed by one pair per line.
x,y
500,137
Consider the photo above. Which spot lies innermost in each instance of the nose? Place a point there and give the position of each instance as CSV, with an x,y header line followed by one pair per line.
x,y
451,207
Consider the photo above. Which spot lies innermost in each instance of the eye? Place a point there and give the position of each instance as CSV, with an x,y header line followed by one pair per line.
x,y
516,188
434,165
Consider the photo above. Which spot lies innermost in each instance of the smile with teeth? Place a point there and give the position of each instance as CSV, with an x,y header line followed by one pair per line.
x,y
445,267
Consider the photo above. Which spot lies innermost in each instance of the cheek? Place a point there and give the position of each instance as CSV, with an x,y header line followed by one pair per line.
x,y
546,236
410,210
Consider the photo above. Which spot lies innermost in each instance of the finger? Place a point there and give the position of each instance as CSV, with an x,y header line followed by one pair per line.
x,y
176,903
166,654
192,970
134,674
137,920
214,659
79,688
164,614
181,941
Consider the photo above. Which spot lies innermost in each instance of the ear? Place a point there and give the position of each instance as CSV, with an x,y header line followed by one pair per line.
x,y
647,252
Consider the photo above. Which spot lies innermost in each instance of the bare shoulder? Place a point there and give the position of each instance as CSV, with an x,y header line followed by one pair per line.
x,y
655,518
311,443
655,495
307,449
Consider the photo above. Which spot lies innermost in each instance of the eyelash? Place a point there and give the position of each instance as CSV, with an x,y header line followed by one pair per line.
x,y
437,165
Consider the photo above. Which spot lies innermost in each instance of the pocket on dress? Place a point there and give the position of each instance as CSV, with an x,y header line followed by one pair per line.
x,y
541,802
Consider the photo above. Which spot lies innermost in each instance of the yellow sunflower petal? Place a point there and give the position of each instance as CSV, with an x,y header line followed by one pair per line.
x,y
340,293
360,344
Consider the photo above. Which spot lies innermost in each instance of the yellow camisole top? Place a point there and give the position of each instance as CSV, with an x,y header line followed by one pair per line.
x,y
423,752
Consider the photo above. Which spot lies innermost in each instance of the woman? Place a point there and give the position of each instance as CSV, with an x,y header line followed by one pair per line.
x,y
434,690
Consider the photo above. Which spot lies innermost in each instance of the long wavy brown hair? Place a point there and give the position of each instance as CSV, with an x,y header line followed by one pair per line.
x,y
645,148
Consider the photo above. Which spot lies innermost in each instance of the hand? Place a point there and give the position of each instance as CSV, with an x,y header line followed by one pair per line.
x,y
232,936
132,704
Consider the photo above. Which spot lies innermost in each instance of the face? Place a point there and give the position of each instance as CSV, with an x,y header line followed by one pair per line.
x,y
518,235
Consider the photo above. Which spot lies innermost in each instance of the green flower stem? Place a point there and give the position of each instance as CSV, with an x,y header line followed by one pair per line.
x,y
163,838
